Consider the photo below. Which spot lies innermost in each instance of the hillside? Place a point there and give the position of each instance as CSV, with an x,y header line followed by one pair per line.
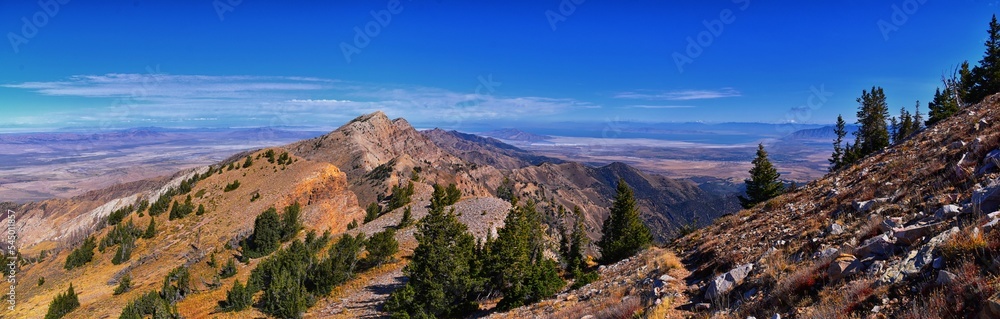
x,y
906,233
332,177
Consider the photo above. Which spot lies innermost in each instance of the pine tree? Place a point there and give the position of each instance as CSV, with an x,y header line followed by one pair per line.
x,y
238,298
624,232
575,259
837,158
987,74
124,285
266,235
763,183
873,134
63,304
918,120
372,212
441,272
381,247
151,229
407,218
516,264
942,106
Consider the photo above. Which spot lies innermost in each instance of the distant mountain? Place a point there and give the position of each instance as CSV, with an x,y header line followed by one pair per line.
x,y
331,177
486,150
515,135
823,134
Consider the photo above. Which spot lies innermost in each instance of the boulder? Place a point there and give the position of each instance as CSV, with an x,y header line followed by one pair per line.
x,y
947,211
945,277
912,234
916,260
879,247
987,199
990,163
865,207
844,266
725,283
888,224
828,252
836,229
990,225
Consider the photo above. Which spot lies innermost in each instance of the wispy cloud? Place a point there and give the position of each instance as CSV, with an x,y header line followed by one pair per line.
x,y
679,95
659,106
275,100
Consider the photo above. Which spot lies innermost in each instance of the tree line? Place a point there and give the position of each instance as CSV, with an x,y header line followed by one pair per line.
x,y
876,130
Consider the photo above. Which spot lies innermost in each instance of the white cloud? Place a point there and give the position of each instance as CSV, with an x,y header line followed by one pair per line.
x,y
659,106
679,95
278,100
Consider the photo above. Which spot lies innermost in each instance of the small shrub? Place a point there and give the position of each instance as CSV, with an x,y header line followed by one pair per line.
x,y
232,186
124,285
63,304
81,255
229,269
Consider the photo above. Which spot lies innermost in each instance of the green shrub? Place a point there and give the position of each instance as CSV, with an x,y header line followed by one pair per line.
x,y
229,269
238,298
372,212
63,304
266,235
81,255
124,285
381,247
232,186
116,216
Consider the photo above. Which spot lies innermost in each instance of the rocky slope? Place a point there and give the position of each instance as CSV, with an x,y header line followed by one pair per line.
x,y
906,233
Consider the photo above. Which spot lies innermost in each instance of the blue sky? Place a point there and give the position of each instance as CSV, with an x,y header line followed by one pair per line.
x,y
444,63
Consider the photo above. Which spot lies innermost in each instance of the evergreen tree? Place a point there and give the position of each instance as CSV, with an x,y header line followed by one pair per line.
x,y
290,224
229,269
200,211
575,259
248,162
624,232
81,255
918,120
517,266
266,235
151,229
837,158
987,74
63,304
942,106
441,273
381,247
238,298
372,212
763,183
873,135
407,218
124,285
